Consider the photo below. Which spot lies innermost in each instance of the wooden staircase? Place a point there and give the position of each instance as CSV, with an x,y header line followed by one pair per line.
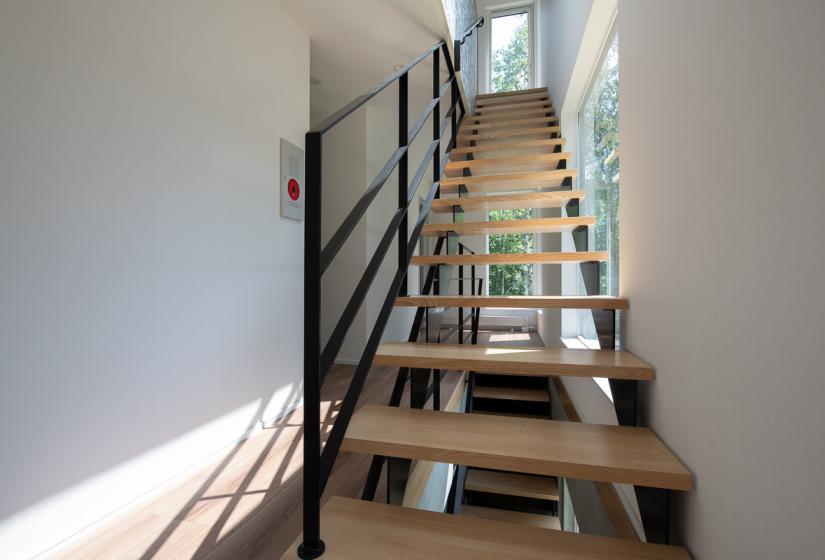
x,y
508,155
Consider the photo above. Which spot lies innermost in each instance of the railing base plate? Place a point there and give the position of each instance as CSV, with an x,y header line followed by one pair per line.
x,y
311,552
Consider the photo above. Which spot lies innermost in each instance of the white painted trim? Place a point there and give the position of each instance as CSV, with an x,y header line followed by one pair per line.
x,y
597,32
485,43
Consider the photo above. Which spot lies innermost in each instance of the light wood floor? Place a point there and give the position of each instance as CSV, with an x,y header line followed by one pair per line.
x,y
248,505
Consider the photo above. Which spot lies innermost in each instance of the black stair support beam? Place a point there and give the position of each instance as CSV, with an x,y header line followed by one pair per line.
x,y
398,472
654,507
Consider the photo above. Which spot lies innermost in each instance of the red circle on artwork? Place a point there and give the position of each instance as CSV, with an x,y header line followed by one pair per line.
x,y
294,189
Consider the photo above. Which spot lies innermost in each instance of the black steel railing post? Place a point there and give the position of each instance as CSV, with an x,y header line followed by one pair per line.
x,y
437,120
312,545
403,141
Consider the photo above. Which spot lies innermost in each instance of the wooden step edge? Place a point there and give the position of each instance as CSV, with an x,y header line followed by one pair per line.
x,y
512,258
511,394
514,302
516,121
515,177
503,227
552,157
508,516
515,360
525,415
595,452
360,530
505,109
507,101
514,114
537,199
495,134
512,484
512,92
510,146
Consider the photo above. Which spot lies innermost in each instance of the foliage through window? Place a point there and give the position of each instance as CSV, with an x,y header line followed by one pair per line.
x,y
599,167
510,47
510,279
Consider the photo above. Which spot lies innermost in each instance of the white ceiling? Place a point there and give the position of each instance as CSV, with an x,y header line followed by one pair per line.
x,y
354,44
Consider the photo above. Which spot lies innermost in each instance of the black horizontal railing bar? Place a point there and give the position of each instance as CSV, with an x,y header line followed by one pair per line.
x,y
451,70
419,173
422,218
445,122
336,340
343,232
345,229
339,429
445,86
422,119
401,379
425,114
478,23
449,114
351,107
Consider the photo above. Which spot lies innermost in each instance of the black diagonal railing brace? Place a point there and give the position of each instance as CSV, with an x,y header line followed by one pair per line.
x,y
318,257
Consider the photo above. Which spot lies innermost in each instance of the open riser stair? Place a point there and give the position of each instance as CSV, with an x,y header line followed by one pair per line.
x,y
511,457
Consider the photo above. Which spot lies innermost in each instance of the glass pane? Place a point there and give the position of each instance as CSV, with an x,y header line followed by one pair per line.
x,y
510,53
599,172
510,279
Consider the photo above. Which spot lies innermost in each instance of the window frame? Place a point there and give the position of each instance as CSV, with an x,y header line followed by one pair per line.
x,y
580,138
511,10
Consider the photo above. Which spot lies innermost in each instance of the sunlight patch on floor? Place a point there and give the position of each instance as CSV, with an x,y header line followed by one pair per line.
x,y
509,337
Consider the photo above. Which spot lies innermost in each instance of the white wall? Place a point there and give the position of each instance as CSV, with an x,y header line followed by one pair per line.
x,y
344,177
151,293
562,26
722,260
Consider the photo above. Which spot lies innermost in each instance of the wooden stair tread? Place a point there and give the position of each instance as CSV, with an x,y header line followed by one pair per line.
x,y
548,447
511,394
515,517
359,530
512,484
519,146
514,113
515,163
512,99
515,360
497,134
498,227
503,109
512,258
507,181
538,199
517,302
514,121
515,92
512,414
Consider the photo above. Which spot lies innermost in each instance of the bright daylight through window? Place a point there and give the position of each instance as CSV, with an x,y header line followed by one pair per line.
x,y
510,70
599,166
510,52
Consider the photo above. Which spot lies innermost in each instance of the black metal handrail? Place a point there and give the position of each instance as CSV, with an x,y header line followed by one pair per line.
x,y
318,257
460,41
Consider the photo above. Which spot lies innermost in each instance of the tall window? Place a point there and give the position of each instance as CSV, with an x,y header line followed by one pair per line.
x,y
510,279
510,50
599,167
